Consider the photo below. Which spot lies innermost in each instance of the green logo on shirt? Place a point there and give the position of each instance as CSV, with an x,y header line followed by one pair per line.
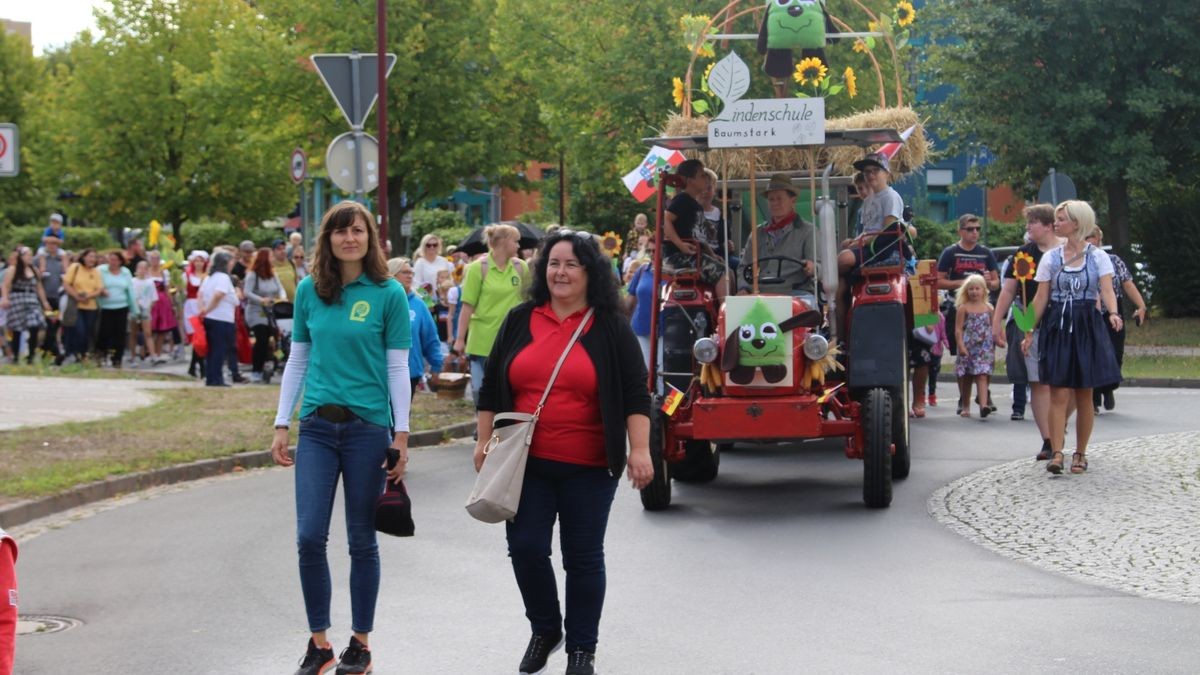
x,y
360,310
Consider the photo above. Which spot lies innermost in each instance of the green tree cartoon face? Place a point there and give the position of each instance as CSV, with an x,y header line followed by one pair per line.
x,y
760,340
795,24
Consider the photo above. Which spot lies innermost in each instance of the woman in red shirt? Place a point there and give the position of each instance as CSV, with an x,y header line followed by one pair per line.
x,y
578,451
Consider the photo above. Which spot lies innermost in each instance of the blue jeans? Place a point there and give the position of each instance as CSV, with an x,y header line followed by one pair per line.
x,y
580,497
81,333
221,337
355,450
476,375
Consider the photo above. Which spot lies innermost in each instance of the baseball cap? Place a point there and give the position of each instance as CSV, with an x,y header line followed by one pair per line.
x,y
874,159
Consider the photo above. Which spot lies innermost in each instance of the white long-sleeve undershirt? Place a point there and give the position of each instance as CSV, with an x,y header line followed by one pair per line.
x,y
399,386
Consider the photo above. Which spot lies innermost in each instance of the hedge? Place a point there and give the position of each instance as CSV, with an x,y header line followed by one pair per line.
x,y
78,238
206,236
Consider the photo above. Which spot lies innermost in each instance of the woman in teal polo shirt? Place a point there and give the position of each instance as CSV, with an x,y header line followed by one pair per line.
x,y
350,344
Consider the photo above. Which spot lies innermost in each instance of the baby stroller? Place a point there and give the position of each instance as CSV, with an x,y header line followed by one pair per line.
x,y
279,318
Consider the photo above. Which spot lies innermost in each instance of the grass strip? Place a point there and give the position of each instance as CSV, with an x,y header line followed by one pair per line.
x,y
183,425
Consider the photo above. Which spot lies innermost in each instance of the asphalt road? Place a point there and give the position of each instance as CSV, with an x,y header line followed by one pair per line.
x,y
774,568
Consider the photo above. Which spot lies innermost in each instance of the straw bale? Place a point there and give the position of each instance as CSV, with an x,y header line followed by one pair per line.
x,y
736,163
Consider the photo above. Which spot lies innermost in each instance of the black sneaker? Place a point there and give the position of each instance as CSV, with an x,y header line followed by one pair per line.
x,y
354,659
317,660
538,652
581,662
1017,416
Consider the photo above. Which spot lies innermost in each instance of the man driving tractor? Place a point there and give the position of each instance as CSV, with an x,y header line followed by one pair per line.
x,y
786,235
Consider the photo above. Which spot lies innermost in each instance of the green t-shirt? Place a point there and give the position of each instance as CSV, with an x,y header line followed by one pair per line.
x,y
491,298
348,362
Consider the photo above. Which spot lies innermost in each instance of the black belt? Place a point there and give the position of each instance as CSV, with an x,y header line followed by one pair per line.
x,y
337,414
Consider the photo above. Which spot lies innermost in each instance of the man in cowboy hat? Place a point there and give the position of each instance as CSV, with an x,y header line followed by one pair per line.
x,y
784,233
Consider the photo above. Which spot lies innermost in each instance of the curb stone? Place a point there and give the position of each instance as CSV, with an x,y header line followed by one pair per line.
x,y
32,509
1155,382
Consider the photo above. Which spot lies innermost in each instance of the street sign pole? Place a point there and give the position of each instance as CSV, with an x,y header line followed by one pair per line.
x,y
381,86
355,90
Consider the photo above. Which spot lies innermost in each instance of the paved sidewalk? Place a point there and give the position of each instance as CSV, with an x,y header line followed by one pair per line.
x,y
40,401
1131,523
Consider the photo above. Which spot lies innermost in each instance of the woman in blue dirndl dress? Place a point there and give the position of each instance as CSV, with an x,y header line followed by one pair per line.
x,y
1076,354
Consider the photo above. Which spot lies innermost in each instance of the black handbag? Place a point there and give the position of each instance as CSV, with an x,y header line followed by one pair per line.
x,y
393,509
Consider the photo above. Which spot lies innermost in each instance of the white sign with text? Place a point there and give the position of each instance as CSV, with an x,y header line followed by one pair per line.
x,y
748,123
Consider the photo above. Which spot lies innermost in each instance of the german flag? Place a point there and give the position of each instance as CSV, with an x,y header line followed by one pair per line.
x,y
671,401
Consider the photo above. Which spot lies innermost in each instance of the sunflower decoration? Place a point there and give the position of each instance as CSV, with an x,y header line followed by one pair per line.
x,y
905,14
810,71
1024,267
860,46
704,79
851,82
610,243
677,91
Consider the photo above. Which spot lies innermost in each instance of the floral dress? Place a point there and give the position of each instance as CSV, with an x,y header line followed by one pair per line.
x,y
977,338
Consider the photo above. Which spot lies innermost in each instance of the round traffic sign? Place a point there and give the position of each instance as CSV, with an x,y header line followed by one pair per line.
x,y
299,165
3,146
340,160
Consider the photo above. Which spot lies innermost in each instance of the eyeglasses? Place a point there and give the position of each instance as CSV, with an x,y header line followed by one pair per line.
x,y
432,244
970,229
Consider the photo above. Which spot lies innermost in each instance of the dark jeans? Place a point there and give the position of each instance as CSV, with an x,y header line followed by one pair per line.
x,y
262,346
114,332
356,450
80,335
220,341
580,497
31,342
935,367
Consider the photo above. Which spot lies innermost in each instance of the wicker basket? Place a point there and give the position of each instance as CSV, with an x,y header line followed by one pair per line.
x,y
452,381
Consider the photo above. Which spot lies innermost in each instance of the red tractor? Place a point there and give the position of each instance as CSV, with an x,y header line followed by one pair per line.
x,y
764,368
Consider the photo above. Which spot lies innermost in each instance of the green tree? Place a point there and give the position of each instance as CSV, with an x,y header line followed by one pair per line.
x,y
20,79
1104,90
456,114
148,121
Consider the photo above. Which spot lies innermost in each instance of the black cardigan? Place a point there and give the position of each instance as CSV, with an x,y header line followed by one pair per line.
x,y
620,373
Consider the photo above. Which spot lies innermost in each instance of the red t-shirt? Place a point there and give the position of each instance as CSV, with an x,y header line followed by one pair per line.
x,y
570,428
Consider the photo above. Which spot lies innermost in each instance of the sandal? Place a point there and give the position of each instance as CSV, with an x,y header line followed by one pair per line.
x,y
1078,463
965,413
1056,463
918,409
984,410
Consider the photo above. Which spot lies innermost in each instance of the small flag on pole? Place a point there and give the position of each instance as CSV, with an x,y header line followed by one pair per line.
x,y
672,401
641,181
891,149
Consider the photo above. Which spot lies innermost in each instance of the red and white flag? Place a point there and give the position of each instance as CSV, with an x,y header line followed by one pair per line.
x,y
891,149
641,181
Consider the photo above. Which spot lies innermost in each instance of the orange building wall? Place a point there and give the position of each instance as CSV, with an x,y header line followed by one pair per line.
x,y
1004,204
513,203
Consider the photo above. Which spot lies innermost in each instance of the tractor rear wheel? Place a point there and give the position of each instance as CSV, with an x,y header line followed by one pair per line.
x,y
700,465
877,424
902,460
656,496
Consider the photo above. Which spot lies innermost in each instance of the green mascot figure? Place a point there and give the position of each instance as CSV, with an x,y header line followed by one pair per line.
x,y
790,25
762,344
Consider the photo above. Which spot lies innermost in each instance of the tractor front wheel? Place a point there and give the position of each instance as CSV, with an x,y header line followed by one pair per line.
x,y
656,496
877,422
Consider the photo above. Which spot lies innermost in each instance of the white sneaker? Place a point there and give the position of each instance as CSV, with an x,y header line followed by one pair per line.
x,y
255,377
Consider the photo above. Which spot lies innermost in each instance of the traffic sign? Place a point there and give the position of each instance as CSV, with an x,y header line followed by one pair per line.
x,y
353,162
299,165
10,150
353,80
1056,188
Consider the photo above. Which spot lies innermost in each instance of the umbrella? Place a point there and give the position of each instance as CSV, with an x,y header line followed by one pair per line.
x,y
474,244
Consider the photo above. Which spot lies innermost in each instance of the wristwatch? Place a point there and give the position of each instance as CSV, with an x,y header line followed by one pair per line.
x,y
281,426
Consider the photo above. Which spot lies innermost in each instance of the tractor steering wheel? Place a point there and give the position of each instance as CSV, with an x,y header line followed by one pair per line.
x,y
748,270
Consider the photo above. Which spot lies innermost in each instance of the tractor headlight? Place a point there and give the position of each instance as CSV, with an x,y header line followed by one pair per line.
x,y
705,350
815,347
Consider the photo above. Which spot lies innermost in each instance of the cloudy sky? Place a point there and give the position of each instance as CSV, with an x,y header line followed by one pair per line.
x,y
55,22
